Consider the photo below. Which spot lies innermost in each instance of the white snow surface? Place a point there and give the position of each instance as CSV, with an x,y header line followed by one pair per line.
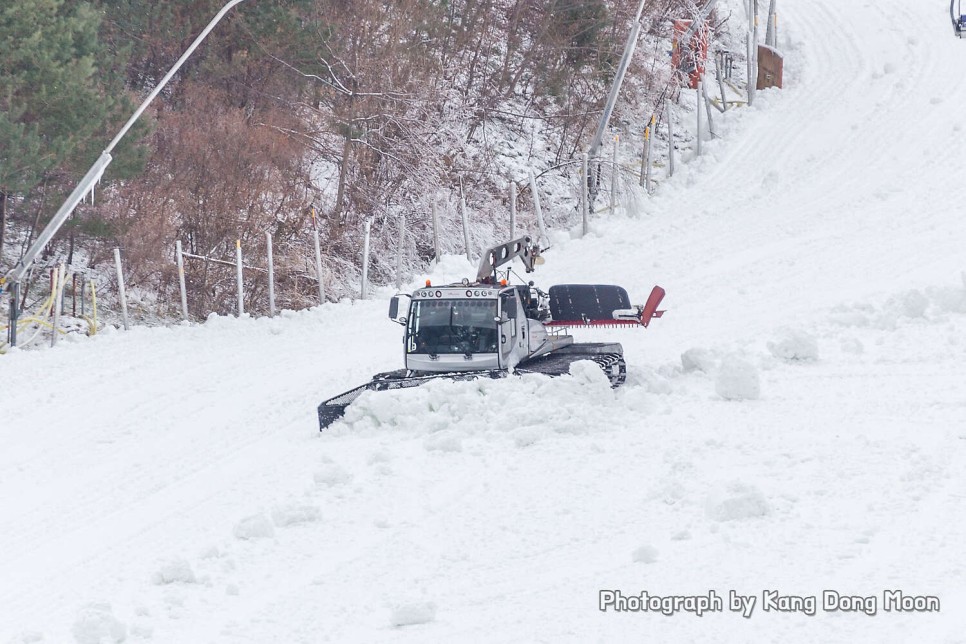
x,y
170,484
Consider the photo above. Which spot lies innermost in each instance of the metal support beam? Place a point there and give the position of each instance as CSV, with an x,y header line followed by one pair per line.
x,y
594,150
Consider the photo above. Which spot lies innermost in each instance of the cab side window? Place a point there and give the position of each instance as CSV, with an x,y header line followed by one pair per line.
x,y
508,304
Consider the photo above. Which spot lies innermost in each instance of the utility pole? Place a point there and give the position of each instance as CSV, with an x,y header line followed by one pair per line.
x,y
594,150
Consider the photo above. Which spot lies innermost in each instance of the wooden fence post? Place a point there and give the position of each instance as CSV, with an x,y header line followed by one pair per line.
x,y
670,140
513,209
536,207
184,291
435,210
120,287
271,273
365,261
584,197
240,277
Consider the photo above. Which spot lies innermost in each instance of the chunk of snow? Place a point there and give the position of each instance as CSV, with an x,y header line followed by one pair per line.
x,y
142,631
739,502
853,345
379,456
286,515
697,359
27,637
795,346
410,614
949,300
588,372
175,571
444,441
96,624
645,554
210,552
737,380
257,526
331,475
527,436
913,304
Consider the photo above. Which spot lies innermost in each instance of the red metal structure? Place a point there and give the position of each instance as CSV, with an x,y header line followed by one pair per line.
x,y
690,58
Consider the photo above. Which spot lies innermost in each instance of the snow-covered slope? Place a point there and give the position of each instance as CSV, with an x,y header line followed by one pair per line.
x,y
169,485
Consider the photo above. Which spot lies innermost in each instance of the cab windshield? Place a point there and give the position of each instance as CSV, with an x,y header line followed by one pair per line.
x,y
452,326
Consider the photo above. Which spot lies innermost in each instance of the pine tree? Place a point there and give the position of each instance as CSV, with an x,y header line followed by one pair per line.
x,y
52,99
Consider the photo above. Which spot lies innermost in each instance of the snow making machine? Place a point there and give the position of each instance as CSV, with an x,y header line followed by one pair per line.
x,y
489,328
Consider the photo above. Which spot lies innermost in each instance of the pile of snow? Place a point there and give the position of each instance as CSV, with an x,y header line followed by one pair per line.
x,y
287,515
737,379
331,475
96,624
448,412
414,613
737,503
175,571
645,554
795,346
257,526
698,359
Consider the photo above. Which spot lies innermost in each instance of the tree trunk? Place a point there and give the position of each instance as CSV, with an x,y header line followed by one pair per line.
x,y
343,177
70,253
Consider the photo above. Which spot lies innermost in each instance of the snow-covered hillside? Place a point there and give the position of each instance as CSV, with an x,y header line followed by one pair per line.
x,y
796,422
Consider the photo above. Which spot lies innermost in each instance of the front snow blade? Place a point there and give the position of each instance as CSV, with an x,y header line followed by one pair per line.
x,y
334,408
